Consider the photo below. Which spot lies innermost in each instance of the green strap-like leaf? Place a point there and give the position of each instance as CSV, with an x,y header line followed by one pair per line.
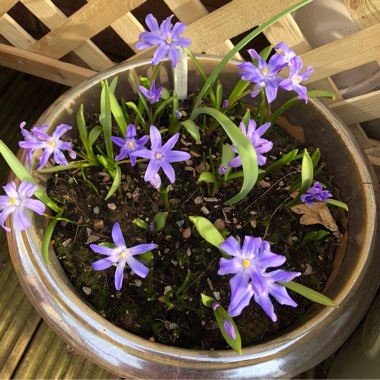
x,y
23,175
81,124
193,130
159,220
94,134
308,293
215,73
244,149
47,237
307,172
207,177
115,183
282,161
118,114
140,223
336,203
106,120
209,232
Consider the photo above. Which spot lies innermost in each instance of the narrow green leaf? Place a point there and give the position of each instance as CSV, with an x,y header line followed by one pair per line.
x,y
308,293
206,300
115,183
94,134
244,149
112,86
106,120
140,223
209,232
162,106
315,157
207,177
315,236
221,315
23,174
118,114
334,202
306,172
321,94
215,73
71,165
264,54
81,124
218,95
227,155
282,161
159,220
193,130
47,237
134,108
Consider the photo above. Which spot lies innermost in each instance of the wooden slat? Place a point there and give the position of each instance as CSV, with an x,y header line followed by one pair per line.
x,y
128,28
365,13
81,26
189,11
213,29
43,67
6,5
287,30
14,33
358,109
344,54
52,17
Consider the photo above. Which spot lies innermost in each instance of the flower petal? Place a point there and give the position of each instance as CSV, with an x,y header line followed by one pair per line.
x,y
103,250
229,266
266,304
102,264
35,205
231,246
119,274
168,170
117,236
155,138
21,221
141,248
241,294
281,295
140,269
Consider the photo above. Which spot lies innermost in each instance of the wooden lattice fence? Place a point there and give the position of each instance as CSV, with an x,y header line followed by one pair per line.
x,y
71,36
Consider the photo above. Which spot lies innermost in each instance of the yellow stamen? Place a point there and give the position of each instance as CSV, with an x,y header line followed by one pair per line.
x,y
169,40
130,145
158,155
14,201
279,51
122,255
246,263
52,144
265,71
297,79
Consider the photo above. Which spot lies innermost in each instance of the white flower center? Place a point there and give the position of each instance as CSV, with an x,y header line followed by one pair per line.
x,y
14,201
297,79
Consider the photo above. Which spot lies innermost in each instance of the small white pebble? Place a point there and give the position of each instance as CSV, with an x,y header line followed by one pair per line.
x,y
216,295
96,210
86,290
198,200
138,282
205,210
66,243
111,206
151,339
167,289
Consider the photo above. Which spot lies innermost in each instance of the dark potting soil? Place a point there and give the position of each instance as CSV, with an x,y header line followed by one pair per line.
x,y
166,306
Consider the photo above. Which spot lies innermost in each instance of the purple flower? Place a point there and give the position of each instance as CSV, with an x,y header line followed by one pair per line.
x,y
178,114
17,201
249,264
30,136
260,145
230,330
284,50
295,78
50,144
129,144
264,75
152,94
120,256
315,193
225,104
161,156
166,37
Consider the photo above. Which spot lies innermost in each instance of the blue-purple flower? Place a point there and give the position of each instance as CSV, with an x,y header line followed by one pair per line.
x,y
315,193
129,144
16,201
260,145
166,37
284,50
264,74
121,256
230,330
249,264
153,95
293,82
161,156
50,144
30,136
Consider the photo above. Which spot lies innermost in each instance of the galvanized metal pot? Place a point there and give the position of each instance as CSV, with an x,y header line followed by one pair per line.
x,y
303,345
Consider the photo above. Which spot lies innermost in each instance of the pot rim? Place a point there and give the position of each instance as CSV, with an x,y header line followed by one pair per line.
x,y
67,311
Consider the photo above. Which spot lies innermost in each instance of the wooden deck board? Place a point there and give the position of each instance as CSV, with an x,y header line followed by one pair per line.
x,y
29,349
